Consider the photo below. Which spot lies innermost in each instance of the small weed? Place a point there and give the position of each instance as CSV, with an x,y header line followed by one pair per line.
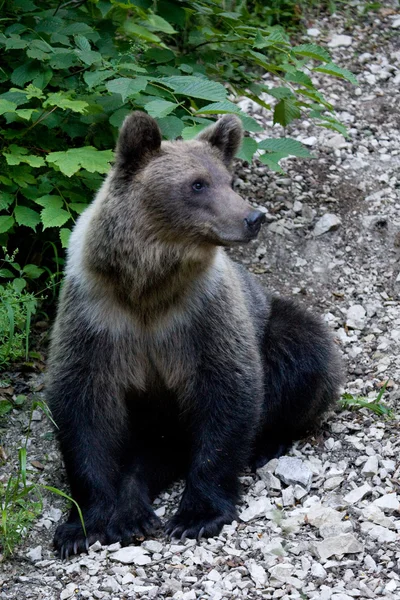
x,y
377,406
21,500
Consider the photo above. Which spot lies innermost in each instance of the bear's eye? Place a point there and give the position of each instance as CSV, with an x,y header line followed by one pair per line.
x,y
198,186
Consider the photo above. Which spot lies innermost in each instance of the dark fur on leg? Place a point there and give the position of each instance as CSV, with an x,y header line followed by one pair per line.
x,y
302,378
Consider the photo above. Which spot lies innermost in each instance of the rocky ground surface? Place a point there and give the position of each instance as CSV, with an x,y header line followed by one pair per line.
x,y
322,523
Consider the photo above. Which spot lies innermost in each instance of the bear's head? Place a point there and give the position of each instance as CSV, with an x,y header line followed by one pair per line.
x,y
184,188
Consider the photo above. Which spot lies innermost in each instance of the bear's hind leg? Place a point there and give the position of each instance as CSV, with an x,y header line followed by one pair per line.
x,y
302,378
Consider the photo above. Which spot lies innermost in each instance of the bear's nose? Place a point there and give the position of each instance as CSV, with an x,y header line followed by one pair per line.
x,y
254,220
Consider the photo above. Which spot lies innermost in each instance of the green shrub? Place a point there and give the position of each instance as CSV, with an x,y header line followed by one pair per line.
x,y
16,309
73,71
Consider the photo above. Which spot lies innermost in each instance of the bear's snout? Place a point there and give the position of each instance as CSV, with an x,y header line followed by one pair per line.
x,y
253,222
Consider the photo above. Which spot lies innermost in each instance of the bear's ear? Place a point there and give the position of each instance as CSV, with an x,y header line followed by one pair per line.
x,y
226,135
139,138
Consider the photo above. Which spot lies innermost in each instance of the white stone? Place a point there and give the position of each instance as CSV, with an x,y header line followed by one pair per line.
x,y
396,23
381,534
391,586
388,502
357,494
341,596
68,591
370,563
341,544
328,222
110,584
319,515
270,480
318,571
153,546
335,529
356,317
256,508
288,496
310,141
336,141
35,554
293,470
314,32
282,572
340,40
54,514
257,573
214,575
131,555
128,578
376,515
297,207
371,467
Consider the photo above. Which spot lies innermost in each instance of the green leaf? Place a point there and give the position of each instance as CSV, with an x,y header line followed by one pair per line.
x,y
7,106
285,112
6,223
118,117
332,69
280,92
18,154
157,23
71,161
188,133
249,123
25,113
94,78
312,51
82,42
5,407
64,237
217,108
89,57
50,201
196,87
62,100
26,216
271,160
299,77
19,284
286,146
171,127
78,207
26,72
160,108
53,217
6,273
135,31
32,271
247,149
32,91
127,87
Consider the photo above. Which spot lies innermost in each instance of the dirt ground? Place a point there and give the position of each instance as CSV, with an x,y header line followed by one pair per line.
x,y
332,240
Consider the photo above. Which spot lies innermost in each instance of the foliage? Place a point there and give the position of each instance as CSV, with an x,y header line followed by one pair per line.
x,y
74,70
16,309
377,406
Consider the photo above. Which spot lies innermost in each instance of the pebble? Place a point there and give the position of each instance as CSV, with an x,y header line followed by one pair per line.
x,y
371,467
131,555
356,317
388,502
329,222
293,471
340,40
340,544
358,493
35,554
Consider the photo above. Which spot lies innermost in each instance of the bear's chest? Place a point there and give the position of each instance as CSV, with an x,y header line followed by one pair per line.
x,y
165,356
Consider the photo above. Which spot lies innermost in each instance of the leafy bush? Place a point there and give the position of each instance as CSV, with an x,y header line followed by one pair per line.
x,y
74,70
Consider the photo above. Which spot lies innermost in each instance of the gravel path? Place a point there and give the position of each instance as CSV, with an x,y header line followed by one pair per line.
x,y
324,522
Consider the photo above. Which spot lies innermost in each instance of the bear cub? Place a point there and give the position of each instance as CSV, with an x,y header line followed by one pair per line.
x,y
167,359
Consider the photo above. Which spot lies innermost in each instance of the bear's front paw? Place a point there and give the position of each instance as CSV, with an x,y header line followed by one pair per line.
x,y
137,523
70,539
189,524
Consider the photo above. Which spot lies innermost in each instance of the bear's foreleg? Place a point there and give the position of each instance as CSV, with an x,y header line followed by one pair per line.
x,y
87,400
223,421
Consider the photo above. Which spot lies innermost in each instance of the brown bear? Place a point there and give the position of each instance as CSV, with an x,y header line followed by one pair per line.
x,y
167,359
